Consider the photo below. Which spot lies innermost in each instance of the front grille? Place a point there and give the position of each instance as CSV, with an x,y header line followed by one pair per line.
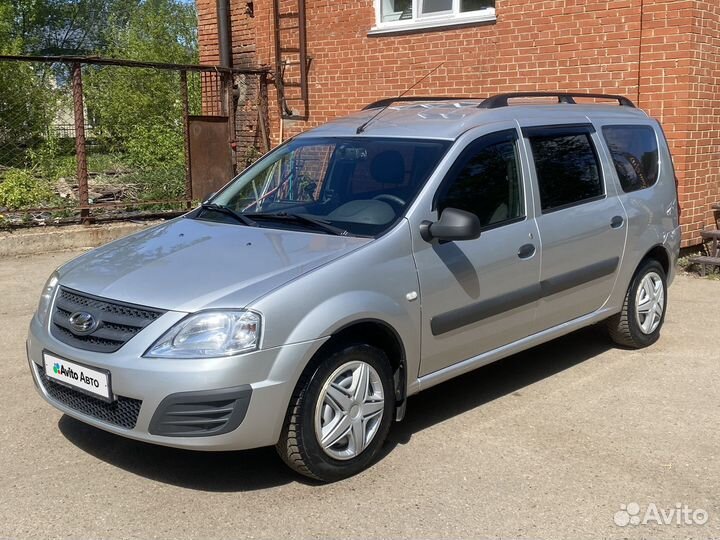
x,y
117,322
123,412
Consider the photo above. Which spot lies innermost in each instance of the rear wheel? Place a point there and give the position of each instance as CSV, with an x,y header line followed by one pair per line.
x,y
339,415
638,324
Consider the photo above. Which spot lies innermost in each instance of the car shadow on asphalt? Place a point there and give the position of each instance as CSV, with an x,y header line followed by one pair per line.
x,y
502,378
262,469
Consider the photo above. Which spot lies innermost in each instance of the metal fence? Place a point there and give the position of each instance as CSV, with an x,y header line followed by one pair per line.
x,y
88,139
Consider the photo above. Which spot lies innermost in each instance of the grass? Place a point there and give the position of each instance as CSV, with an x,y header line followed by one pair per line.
x,y
689,267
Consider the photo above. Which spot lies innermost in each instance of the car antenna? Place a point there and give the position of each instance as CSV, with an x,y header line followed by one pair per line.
x,y
362,127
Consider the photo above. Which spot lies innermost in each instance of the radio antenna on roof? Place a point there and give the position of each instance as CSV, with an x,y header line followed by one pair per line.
x,y
362,127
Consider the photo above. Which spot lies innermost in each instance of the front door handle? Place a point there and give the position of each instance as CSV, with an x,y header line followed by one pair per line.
x,y
526,251
617,222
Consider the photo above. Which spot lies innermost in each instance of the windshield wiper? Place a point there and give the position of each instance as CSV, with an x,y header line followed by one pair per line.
x,y
301,218
229,212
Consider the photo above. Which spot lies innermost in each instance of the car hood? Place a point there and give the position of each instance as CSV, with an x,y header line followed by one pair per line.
x,y
188,264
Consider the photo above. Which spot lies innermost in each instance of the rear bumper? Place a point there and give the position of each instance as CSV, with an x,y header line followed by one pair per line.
x,y
157,400
672,244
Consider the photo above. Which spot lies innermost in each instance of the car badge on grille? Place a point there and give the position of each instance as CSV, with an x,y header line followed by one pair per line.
x,y
82,322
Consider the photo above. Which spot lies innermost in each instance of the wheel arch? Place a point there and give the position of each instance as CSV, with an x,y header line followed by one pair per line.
x,y
659,253
376,333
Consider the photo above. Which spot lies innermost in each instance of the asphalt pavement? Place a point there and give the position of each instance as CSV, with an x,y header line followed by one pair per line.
x,y
575,439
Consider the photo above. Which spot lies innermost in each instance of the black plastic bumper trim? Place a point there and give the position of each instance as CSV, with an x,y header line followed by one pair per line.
x,y
201,414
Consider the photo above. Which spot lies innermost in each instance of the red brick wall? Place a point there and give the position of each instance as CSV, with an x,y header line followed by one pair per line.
x,y
701,179
247,134
669,62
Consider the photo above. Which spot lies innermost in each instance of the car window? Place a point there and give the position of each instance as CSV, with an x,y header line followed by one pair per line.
x,y
486,181
634,151
567,167
358,185
304,170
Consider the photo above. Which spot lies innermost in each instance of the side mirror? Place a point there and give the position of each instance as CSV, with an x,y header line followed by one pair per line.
x,y
453,225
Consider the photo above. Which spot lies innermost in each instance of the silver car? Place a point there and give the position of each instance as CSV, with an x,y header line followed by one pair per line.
x,y
360,263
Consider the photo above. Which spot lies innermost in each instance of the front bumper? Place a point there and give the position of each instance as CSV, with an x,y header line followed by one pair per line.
x,y
259,385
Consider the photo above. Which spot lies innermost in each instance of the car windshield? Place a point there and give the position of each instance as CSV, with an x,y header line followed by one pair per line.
x,y
354,186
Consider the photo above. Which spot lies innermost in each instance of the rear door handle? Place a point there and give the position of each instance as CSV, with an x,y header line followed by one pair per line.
x,y
617,222
526,251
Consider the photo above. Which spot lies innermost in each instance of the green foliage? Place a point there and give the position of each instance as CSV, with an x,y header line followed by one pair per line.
x,y
26,103
252,154
158,151
135,114
26,108
684,262
156,146
160,184
21,189
121,100
54,158
67,27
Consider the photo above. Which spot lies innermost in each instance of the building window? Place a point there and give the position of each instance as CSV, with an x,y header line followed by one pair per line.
x,y
394,15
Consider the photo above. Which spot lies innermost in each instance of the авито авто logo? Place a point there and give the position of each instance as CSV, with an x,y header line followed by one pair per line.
x,y
56,368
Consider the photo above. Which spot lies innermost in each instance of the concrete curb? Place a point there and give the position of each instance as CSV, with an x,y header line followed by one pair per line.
x,y
47,239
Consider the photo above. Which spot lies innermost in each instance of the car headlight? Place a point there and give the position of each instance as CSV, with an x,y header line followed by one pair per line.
x,y
43,309
209,334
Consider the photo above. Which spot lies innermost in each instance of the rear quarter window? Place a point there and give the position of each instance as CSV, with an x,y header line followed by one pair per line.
x,y
634,151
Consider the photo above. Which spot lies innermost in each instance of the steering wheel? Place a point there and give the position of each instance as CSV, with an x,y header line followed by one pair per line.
x,y
393,199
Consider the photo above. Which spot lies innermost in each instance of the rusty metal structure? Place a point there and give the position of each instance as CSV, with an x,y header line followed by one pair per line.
x,y
291,59
206,123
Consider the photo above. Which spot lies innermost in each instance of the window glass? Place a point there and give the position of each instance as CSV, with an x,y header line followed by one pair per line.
x,y
634,151
396,10
402,11
360,185
567,168
488,183
475,5
430,7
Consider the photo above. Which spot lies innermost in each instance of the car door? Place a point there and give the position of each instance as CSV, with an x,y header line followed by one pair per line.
x,y
581,221
479,294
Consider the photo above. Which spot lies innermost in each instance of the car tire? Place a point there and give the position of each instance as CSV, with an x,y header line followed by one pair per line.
x,y
639,323
330,399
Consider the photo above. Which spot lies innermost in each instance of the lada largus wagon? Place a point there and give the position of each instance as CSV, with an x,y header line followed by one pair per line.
x,y
360,263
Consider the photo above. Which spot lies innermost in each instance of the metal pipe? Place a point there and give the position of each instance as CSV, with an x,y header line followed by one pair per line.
x,y
224,33
80,153
94,60
303,56
186,135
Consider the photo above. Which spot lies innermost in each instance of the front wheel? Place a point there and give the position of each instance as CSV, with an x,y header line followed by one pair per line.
x,y
339,414
638,324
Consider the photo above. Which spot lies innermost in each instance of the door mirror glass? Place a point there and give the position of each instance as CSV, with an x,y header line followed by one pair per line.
x,y
453,225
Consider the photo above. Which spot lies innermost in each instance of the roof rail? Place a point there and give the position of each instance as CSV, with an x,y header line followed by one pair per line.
x,y
501,100
389,101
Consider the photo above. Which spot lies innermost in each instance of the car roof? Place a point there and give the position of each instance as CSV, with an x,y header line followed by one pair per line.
x,y
448,120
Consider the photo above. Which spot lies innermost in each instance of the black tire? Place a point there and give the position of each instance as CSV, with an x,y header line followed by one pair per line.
x,y
299,447
624,327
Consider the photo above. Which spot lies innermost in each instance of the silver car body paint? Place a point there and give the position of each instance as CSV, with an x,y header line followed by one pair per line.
x,y
307,286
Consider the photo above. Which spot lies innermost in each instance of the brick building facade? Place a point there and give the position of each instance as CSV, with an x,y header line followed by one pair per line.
x,y
663,54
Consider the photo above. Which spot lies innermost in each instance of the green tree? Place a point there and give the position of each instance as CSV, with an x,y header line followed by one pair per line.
x,y
25,101
68,27
139,111
124,100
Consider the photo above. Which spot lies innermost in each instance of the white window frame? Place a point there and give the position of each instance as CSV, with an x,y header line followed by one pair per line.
x,y
433,20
